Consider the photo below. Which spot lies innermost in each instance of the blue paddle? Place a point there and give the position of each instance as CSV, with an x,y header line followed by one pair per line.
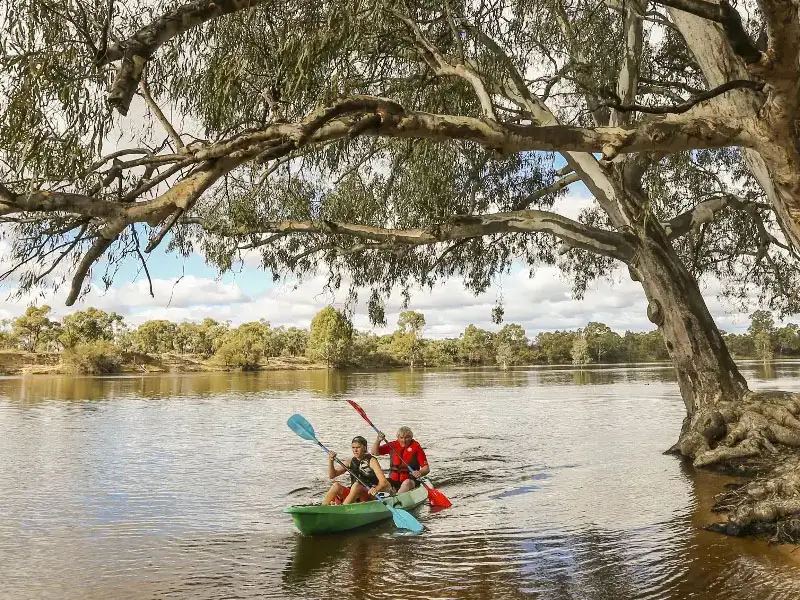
x,y
401,518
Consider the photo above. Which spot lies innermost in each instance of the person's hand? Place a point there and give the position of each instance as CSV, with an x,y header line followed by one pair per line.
x,y
332,455
373,491
416,474
381,436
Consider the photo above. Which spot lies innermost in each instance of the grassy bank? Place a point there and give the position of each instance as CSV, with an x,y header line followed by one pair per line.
x,y
20,362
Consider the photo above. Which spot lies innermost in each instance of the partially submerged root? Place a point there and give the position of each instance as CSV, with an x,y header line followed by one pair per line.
x,y
758,436
769,505
733,430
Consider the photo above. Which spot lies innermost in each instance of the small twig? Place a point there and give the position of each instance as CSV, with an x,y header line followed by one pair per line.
x,y
171,220
174,285
143,261
159,114
682,108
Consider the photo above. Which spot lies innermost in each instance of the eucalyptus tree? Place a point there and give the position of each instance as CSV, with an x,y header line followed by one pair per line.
x,y
408,335
510,345
331,338
396,144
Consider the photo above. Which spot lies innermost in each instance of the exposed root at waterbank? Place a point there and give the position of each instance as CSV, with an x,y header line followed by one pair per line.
x,y
756,437
768,505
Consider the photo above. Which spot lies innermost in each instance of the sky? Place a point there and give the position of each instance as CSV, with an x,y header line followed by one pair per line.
x,y
188,289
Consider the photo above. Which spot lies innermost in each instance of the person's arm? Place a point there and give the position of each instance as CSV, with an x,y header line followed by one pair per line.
x,y
383,483
376,445
334,469
422,460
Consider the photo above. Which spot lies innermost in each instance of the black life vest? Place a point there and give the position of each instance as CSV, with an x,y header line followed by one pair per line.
x,y
361,470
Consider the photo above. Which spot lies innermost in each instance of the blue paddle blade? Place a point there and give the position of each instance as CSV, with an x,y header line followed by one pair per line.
x,y
405,520
301,427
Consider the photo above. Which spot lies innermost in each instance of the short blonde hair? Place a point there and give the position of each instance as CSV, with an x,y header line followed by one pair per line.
x,y
403,430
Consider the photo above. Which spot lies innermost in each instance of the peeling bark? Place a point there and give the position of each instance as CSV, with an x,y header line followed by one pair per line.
x,y
607,243
774,157
137,49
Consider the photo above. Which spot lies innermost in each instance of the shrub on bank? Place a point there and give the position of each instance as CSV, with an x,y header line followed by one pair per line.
x,y
93,358
240,350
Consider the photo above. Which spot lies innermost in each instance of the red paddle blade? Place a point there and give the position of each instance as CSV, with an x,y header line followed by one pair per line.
x,y
437,498
359,410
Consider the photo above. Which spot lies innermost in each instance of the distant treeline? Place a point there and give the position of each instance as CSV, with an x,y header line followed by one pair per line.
x,y
94,341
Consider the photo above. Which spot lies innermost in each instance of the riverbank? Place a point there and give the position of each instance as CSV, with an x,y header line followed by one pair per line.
x,y
19,362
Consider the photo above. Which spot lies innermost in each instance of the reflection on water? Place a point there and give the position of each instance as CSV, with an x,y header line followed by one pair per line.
x,y
173,485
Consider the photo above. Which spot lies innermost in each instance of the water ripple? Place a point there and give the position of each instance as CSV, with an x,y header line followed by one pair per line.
x,y
173,487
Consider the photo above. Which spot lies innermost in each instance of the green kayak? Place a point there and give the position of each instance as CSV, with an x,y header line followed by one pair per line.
x,y
314,519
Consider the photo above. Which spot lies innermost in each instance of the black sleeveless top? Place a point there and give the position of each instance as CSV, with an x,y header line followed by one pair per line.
x,y
361,470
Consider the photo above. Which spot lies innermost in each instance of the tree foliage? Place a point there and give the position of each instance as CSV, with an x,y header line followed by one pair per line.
x,y
90,325
580,351
155,337
34,329
96,357
511,342
243,347
388,145
330,338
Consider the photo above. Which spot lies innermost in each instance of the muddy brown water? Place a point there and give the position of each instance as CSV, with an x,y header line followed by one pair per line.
x,y
172,487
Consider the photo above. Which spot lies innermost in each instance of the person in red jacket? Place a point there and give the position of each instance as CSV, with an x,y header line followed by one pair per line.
x,y
401,477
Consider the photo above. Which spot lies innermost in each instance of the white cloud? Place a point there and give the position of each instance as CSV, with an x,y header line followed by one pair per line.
x,y
539,303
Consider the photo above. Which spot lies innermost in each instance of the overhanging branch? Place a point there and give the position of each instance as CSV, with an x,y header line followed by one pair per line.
x,y
609,243
135,51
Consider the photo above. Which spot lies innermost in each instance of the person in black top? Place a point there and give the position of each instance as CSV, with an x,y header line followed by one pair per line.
x,y
364,467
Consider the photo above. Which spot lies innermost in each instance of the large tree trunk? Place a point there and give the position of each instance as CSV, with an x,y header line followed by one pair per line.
x,y
726,425
706,372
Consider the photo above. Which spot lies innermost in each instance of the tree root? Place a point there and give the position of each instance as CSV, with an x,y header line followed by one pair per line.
x,y
757,437
769,505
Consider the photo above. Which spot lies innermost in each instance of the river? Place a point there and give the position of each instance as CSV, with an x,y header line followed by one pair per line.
x,y
172,486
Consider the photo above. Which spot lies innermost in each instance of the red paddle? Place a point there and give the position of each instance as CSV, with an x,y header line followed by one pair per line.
x,y
435,497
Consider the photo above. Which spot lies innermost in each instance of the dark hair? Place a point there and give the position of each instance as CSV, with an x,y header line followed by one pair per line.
x,y
359,439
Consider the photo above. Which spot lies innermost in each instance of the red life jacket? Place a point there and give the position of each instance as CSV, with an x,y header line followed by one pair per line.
x,y
398,471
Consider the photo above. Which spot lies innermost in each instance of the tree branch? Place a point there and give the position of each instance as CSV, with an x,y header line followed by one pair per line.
x,y
142,260
783,30
515,89
441,66
171,220
550,189
669,134
135,51
102,49
160,115
727,16
609,243
100,245
263,242
688,104
706,211
78,238
46,201
628,78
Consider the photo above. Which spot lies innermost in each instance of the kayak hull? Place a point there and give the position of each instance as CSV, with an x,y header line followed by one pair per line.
x,y
317,519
